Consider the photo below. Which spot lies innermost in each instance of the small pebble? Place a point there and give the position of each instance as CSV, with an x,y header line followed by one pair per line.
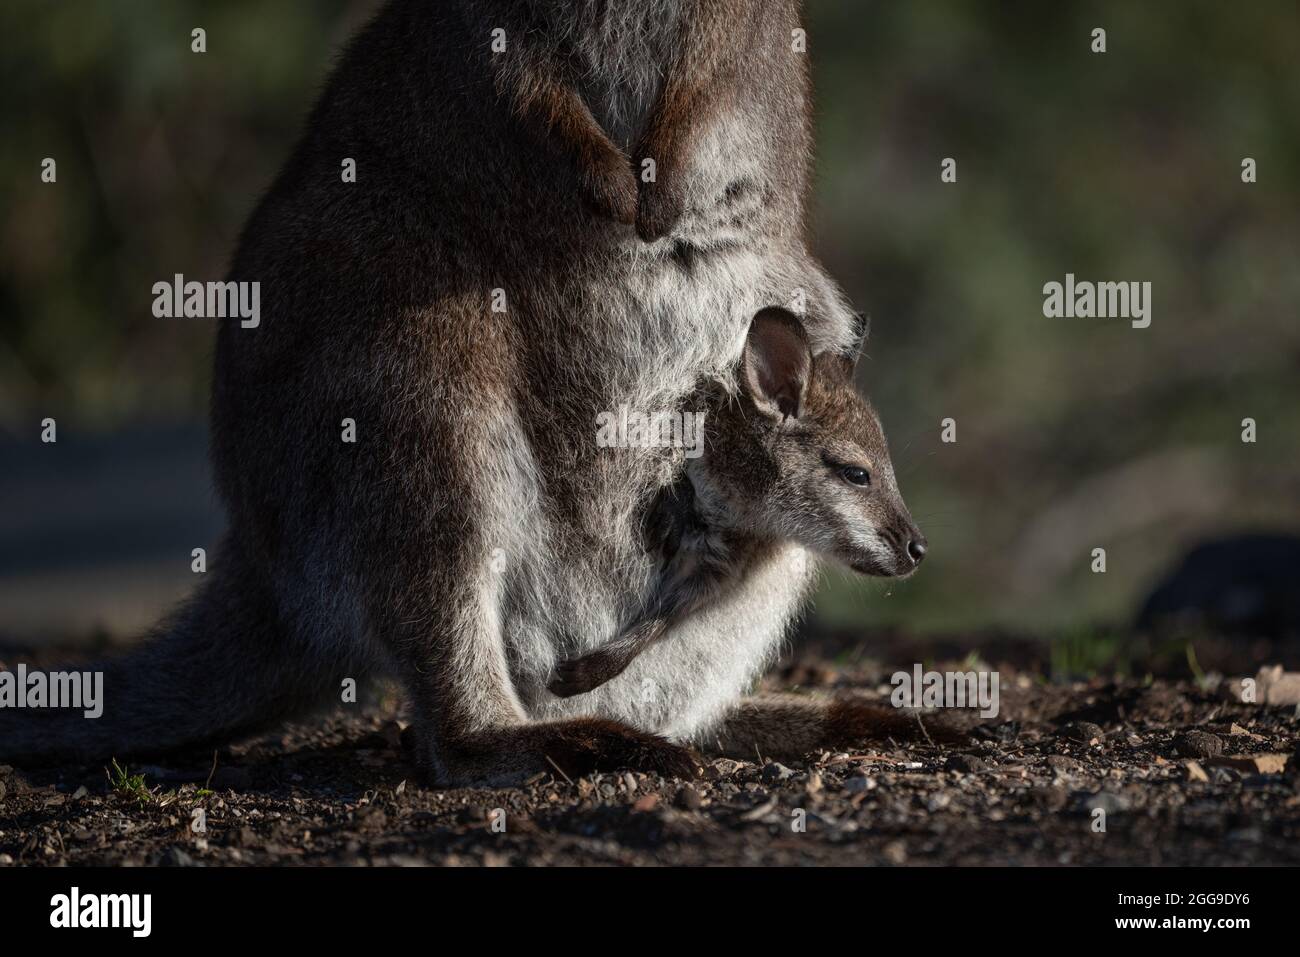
x,y
774,773
1082,731
175,857
896,852
1198,744
231,779
859,784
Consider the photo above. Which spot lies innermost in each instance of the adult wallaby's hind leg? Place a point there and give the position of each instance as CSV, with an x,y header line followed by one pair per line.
x,y
443,623
470,726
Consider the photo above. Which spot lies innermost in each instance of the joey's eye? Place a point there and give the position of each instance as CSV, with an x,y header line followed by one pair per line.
x,y
856,476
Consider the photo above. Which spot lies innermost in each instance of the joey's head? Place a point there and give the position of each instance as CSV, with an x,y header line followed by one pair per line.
x,y
800,456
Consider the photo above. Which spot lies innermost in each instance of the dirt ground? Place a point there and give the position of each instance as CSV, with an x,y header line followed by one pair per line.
x,y
1168,760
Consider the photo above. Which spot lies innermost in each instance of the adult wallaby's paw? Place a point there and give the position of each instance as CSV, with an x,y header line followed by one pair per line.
x,y
580,675
584,745
611,187
658,209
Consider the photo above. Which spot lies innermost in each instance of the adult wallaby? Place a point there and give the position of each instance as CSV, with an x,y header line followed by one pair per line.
x,y
504,268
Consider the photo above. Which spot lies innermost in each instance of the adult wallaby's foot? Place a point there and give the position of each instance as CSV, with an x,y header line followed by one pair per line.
x,y
850,723
580,675
568,748
595,744
790,726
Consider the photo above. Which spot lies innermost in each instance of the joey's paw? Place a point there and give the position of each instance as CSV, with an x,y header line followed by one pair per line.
x,y
658,209
593,744
580,675
611,188
571,678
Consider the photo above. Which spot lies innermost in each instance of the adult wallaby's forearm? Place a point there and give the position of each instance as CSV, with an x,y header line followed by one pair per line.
x,y
528,51
551,107
705,76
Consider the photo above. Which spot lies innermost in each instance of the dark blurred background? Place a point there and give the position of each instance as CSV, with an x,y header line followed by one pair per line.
x,y
1071,433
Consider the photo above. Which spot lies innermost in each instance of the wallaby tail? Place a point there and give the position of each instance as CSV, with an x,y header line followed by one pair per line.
x,y
224,664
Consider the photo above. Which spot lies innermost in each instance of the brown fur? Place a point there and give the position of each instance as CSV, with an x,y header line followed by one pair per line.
x,y
476,172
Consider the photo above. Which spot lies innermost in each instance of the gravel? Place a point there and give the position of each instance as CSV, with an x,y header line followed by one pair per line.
x,y
1024,789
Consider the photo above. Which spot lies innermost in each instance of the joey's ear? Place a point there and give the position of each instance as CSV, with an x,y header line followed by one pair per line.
x,y
849,357
777,363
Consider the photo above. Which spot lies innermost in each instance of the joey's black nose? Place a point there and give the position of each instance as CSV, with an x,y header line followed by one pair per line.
x,y
916,550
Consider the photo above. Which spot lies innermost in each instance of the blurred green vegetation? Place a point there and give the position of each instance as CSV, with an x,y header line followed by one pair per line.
x,y
161,155
1071,433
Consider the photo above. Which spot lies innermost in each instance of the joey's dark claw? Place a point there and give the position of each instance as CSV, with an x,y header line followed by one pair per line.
x,y
571,678
580,675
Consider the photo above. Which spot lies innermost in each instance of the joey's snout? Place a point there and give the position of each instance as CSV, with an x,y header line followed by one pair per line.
x,y
916,547
907,545
892,550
